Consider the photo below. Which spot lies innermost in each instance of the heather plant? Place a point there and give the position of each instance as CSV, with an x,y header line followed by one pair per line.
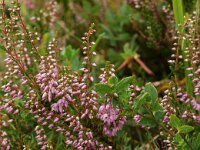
x,y
112,19
55,98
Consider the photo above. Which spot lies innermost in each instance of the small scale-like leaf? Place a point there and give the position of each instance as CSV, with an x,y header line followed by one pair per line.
x,y
185,129
103,88
123,84
175,122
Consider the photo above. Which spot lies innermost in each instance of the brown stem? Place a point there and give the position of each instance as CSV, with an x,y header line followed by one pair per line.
x,y
124,64
142,64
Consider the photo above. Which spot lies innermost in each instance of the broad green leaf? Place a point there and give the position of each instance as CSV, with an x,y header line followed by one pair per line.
x,y
123,84
103,88
124,97
156,106
175,122
179,140
151,90
2,48
69,52
159,115
185,129
147,122
70,58
113,80
196,142
140,100
128,52
149,87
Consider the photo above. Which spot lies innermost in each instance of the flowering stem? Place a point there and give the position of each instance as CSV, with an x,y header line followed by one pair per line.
x,y
26,31
179,19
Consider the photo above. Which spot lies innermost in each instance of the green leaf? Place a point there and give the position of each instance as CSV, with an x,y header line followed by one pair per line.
x,y
179,19
196,142
147,122
2,48
90,9
69,52
123,84
103,88
178,12
45,39
179,140
156,107
124,98
113,80
70,57
59,145
140,100
99,38
18,102
185,129
151,90
159,115
128,52
175,122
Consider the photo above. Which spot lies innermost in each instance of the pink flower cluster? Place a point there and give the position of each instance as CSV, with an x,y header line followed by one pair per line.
x,y
137,118
5,143
41,137
197,119
111,119
47,77
56,98
195,105
107,72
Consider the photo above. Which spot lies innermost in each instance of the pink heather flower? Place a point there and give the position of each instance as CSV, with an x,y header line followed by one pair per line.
x,y
56,120
137,118
9,109
44,96
112,122
29,4
62,103
108,114
197,119
197,71
195,105
16,111
166,119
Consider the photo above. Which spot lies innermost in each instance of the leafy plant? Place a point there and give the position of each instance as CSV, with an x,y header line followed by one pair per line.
x,y
58,91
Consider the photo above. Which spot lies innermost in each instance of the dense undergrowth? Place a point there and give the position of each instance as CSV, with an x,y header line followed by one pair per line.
x,y
100,74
